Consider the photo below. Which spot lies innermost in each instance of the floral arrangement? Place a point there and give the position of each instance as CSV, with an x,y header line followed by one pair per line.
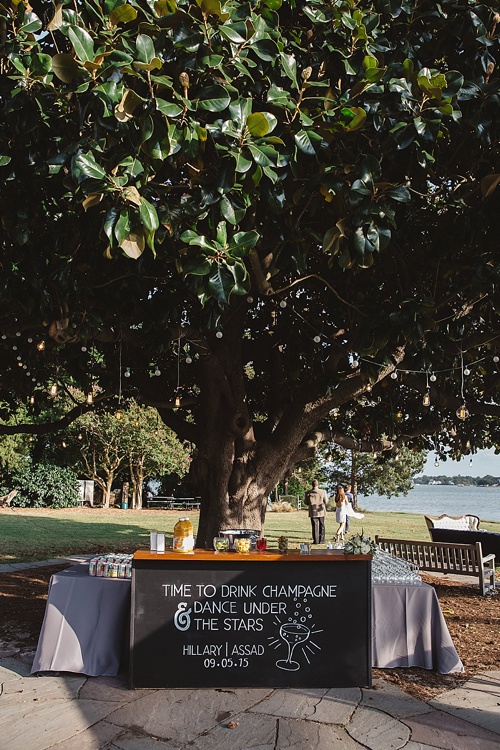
x,y
360,545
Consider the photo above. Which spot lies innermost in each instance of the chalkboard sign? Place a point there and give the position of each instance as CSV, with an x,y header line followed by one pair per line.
x,y
238,624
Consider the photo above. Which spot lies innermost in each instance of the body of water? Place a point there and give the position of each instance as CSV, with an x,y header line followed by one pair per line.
x,y
435,499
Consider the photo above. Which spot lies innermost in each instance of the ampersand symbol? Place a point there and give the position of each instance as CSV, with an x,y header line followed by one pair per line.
x,y
182,620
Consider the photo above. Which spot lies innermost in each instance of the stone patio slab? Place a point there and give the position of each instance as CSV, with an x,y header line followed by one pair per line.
x,y
377,731
39,726
308,735
477,701
334,706
109,689
21,690
441,729
180,716
99,735
392,700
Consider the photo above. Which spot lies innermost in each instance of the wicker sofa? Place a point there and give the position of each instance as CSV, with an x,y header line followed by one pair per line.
x,y
463,530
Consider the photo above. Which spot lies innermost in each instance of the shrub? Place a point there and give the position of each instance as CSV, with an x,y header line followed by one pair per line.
x,y
281,507
45,485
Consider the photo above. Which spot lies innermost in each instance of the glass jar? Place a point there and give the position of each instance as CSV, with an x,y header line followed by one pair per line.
x,y
183,536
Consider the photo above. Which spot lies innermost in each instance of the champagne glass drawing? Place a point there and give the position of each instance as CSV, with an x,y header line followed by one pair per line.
x,y
292,633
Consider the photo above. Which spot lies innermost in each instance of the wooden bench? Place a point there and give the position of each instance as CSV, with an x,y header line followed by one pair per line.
x,y
173,503
458,559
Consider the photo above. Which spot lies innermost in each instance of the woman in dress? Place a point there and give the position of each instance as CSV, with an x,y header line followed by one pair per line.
x,y
341,503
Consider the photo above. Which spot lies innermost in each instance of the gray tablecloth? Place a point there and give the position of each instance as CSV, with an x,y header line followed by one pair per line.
x,y
85,624
86,619
409,630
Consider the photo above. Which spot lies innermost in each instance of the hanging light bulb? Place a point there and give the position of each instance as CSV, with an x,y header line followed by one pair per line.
x,y
219,334
79,436
90,397
64,444
118,414
426,401
496,359
466,371
369,387
157,372
433,378
470,462
189,360
127,372
40,346
32,399
177,401
53,389
249,300
354,364
282,303
317,339
462,412
436,462
394,375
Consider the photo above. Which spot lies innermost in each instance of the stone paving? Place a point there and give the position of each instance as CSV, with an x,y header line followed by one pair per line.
x,y
74,712
61,711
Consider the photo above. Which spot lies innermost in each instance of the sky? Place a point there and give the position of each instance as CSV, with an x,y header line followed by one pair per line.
x,y
483,462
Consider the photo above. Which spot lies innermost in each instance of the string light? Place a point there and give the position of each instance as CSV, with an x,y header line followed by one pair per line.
x,y
53,389
177,402
90,398
427,395
79,436
317,339
219,334
64,444
433,378
436,462
127,372
157,372
462,411
118,414
189,360
394,375
32,399
40,346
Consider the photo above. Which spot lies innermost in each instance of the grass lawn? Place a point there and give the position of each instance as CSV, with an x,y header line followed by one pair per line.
x,y
40,534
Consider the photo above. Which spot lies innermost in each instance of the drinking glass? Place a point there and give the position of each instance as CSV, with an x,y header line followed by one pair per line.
x,y
261,544
221,543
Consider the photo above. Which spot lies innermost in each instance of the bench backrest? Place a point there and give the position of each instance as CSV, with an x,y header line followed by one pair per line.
x,y
460,523
446,558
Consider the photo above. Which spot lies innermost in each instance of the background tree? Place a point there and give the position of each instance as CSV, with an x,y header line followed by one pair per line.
x,y
370,473
275,206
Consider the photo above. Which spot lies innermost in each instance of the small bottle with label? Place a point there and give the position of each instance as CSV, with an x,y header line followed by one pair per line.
x,y
183,536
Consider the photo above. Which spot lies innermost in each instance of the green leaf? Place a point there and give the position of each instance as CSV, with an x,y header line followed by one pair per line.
x,y
222,233
122,226
169,109
358,118
230,212
243,241
31,23
290,68
82,42
266,49
123,14
4,160
199,265
89,167
149,216
232,33
215,99
304,144
257,125
261,155
145,48
66,67
165,7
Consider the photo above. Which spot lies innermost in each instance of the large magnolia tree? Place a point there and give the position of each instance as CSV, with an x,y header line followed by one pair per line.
x,y
287,210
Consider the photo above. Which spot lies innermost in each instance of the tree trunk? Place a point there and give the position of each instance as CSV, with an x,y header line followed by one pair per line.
x,y
354,479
